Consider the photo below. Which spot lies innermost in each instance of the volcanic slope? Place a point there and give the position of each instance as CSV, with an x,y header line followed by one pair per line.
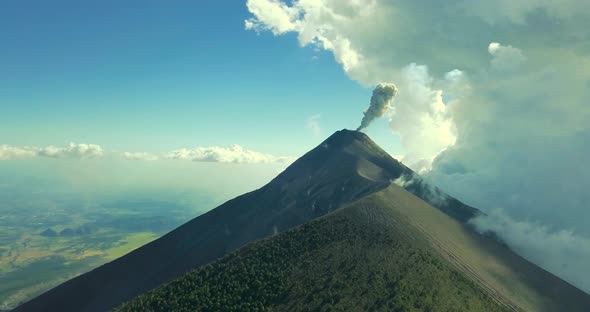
x,y
389,251
323,180
347,177
352,259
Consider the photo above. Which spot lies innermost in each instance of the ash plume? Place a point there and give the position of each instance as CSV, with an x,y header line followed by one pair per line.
x,y
380,103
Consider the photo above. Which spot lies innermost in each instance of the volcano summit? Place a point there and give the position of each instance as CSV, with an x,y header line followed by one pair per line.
x,y
333,231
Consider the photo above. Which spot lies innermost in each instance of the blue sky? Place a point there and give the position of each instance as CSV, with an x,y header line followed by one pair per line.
x,y
154,76
492,104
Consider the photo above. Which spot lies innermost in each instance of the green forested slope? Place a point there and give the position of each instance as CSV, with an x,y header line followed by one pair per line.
x,y
335,263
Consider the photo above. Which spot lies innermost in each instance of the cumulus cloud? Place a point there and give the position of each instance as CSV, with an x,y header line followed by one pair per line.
x,y
505,57
14,152
313,125
273,15
492,99
554,250
421,117
313,20
232,154
73,150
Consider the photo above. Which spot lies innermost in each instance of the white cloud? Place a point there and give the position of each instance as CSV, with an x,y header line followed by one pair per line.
x,y
140,156
14,152
505,57
272,15
561,251
313,125
232,154
314,22
421,118
520,125
73,150
70,151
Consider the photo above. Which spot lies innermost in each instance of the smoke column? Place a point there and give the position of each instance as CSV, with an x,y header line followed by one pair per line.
x,y
380,103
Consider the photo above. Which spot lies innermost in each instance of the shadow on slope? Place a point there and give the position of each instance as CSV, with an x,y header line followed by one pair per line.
x,y
342,262
387,251
344,168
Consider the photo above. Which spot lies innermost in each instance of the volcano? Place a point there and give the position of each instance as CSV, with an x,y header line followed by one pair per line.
x,y
338,229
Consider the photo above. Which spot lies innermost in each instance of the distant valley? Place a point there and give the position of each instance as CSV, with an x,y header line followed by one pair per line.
x,y
41,248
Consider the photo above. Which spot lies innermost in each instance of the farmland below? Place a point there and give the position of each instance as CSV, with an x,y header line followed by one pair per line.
x,y
48,236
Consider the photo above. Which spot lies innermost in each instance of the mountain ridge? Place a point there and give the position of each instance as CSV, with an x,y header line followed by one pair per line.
x,y
286,201
344,169
352,259
484,267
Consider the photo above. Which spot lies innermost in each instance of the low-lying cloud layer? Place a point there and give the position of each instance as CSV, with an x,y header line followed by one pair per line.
x,y
232,154
72,150
15,152
492,103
